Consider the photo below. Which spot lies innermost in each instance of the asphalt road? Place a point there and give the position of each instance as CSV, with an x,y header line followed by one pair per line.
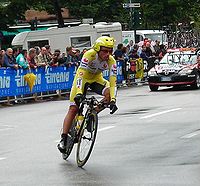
x,y
152,140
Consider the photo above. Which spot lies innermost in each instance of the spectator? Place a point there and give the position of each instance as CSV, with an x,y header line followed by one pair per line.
x,y
21,59
83,52
16,52
31,58
48,53
37,50
61,59
3,52
145,41
132,60
132,65
148,50
143,54
162,51
9,60
134,55
118,54
130,46
147,56
157,47
70,58
150,44
125,51
78,56
42,58
1,58
55,59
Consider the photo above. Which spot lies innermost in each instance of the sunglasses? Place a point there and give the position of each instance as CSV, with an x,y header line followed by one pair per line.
x,y
107,51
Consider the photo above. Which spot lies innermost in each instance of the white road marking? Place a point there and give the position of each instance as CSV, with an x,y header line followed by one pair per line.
x,y
160,113
6,127
106,128
3,158
191,134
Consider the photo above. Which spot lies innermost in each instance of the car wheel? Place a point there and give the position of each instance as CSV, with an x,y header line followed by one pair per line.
x,y
196,85
153,87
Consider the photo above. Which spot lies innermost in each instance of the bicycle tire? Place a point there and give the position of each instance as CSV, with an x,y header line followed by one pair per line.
x,y
82,137
70,140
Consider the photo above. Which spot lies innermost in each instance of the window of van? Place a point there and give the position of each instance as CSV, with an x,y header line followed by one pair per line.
x,y
105,35
40,43
138,38
159,37
84,41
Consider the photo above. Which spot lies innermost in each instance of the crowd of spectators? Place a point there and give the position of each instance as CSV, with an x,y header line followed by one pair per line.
x,y
39,57
148,50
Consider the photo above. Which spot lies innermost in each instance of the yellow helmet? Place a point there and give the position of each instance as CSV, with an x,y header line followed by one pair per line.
x,y
103,41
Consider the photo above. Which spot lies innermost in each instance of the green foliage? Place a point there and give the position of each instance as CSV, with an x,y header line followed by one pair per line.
x,y
159,13
155,13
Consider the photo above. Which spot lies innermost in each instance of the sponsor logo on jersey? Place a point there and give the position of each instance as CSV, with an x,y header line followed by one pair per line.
x,y
80,73
79,83
114,69
105,66
85,60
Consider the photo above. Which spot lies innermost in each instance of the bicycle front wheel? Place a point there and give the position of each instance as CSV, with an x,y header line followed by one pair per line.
x,y
87,138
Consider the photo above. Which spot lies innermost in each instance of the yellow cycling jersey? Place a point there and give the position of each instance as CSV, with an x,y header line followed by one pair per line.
x,y
91,69
91,62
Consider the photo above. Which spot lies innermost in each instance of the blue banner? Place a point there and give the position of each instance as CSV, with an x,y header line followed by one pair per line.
x,y
12,82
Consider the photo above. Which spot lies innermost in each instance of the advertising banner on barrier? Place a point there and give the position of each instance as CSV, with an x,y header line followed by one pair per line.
x,y
12,82
47,79
59,78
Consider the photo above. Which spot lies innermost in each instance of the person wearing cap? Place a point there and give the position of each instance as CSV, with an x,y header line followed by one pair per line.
x,y
93,63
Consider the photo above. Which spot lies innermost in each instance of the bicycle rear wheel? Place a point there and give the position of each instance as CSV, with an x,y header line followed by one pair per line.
x,y
86,138
70,140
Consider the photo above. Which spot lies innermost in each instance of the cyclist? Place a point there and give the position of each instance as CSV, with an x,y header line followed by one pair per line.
x,y
93,63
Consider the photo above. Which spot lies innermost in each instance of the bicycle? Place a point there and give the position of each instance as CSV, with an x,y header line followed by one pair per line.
x,y
84,130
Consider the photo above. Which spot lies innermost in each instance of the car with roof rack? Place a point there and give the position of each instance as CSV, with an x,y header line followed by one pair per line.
x,y
177,68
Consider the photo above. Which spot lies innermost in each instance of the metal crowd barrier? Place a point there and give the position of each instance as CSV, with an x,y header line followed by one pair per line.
x,y
50,81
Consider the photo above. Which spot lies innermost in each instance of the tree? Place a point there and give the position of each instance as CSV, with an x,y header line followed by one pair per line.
x,y
159,13
14,10
155,13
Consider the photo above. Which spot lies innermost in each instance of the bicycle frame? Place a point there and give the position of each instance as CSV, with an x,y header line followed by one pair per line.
x,y
91,102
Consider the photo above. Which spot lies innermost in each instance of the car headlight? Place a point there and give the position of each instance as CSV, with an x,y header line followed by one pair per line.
x,y
152,73
185,71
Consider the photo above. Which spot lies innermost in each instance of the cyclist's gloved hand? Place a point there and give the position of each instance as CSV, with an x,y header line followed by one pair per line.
x,y
78,98
113,107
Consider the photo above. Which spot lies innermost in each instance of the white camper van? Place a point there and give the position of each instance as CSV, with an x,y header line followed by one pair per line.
x,y
141,34
82,36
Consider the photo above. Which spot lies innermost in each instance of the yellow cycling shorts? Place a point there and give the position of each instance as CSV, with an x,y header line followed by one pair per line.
x,y
84,79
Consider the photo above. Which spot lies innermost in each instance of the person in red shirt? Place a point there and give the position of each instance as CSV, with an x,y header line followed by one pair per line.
x,y
31,58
